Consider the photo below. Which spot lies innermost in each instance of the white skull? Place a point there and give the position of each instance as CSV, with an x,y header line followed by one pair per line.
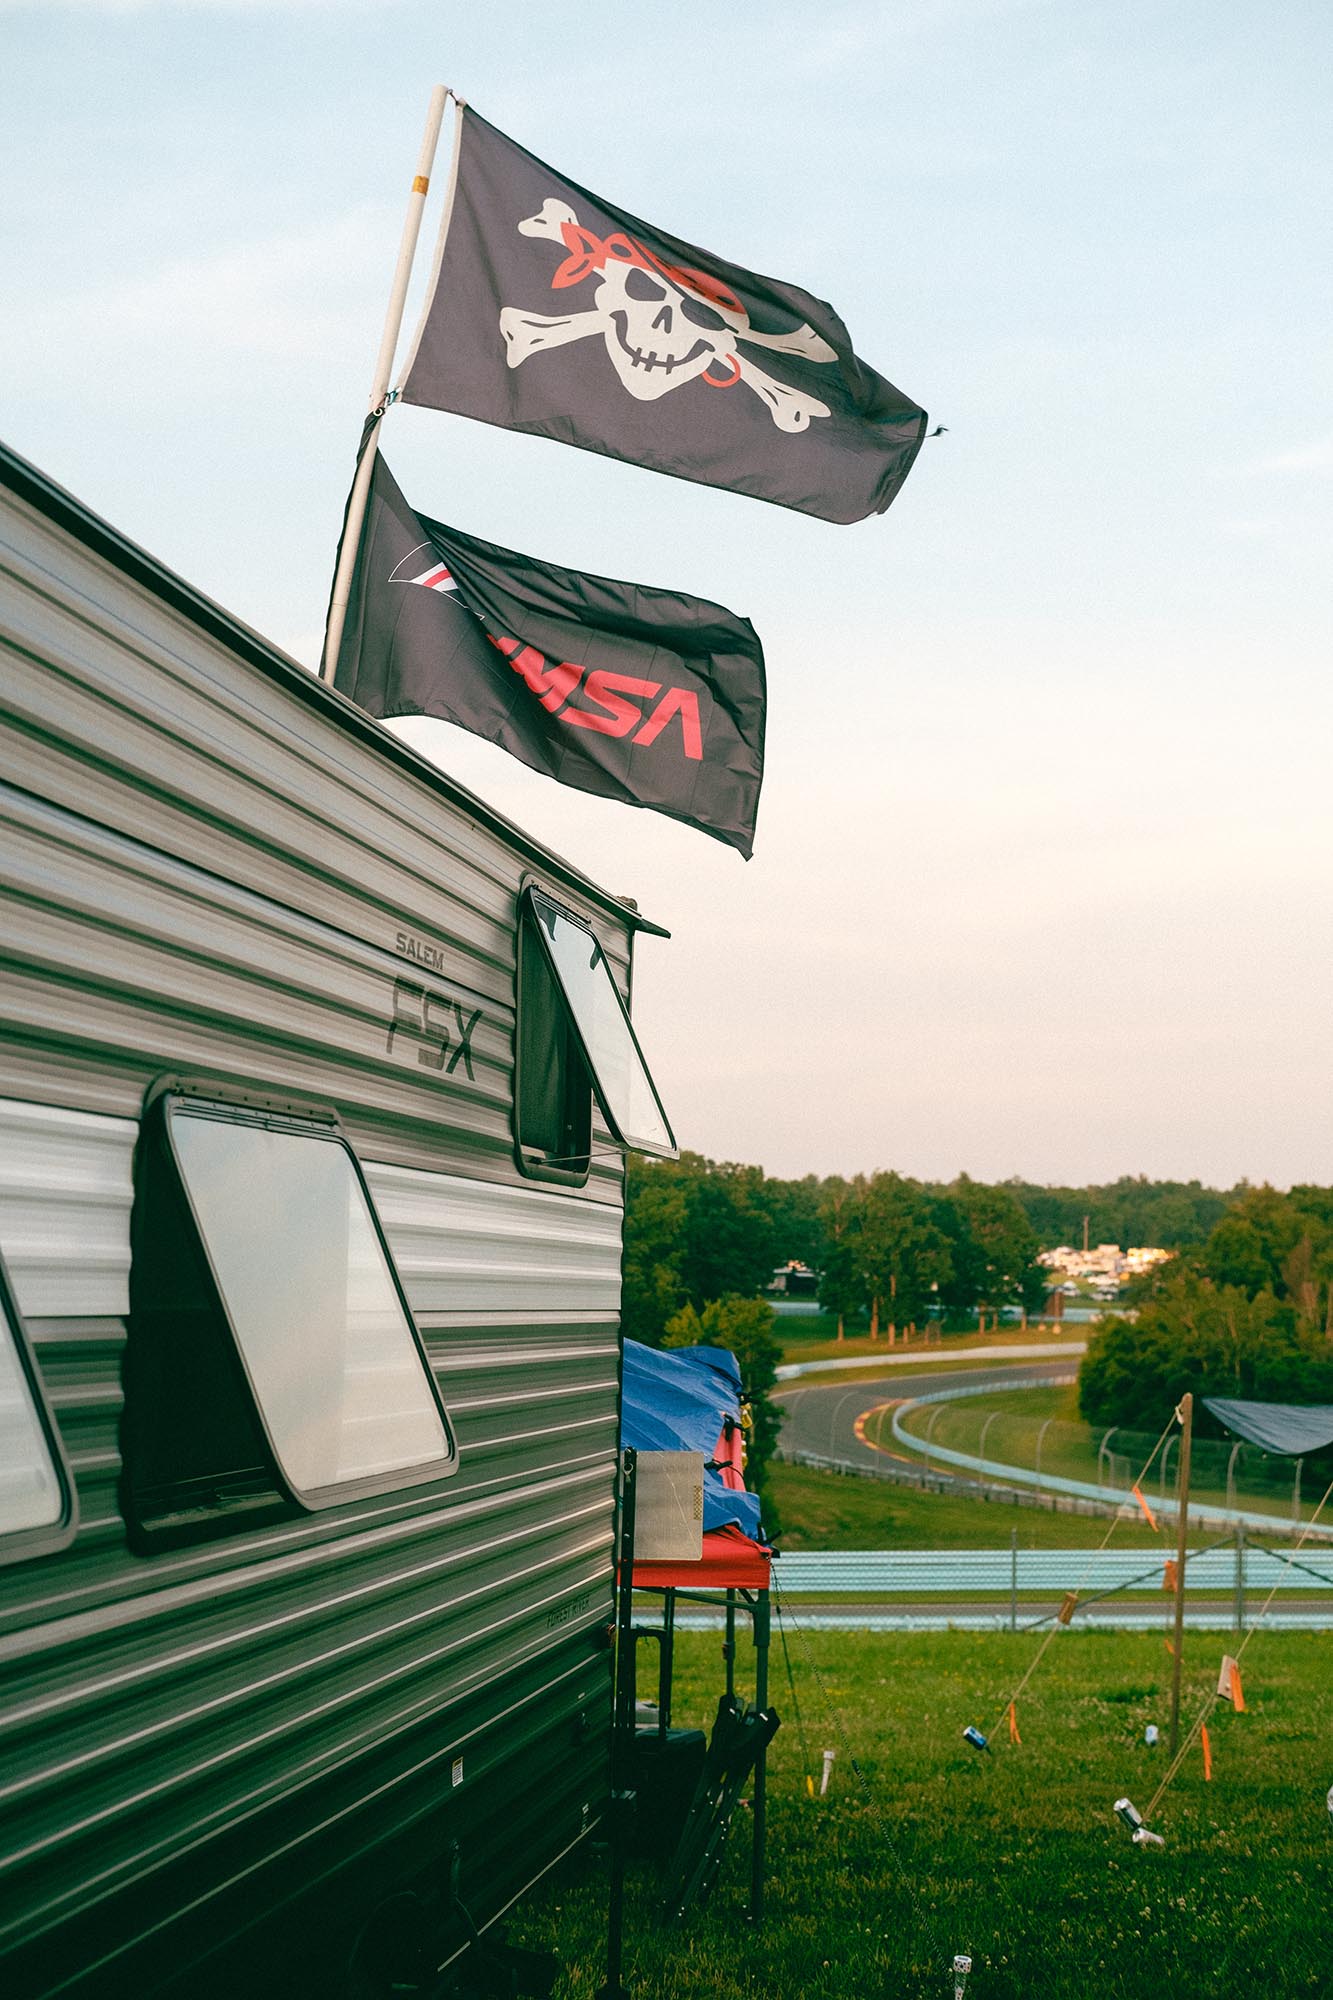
x,y
657,335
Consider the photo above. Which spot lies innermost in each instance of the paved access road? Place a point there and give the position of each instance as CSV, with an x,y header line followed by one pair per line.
x,y
821,1417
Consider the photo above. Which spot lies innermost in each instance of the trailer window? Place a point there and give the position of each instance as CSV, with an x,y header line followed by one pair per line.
x,y
36,1508
625,1090
272,1358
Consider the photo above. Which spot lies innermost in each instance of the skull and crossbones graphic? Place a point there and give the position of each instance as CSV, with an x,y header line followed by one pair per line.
x,y
661,326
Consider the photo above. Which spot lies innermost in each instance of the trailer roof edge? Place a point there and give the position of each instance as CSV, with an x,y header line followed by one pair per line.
x,y
55,503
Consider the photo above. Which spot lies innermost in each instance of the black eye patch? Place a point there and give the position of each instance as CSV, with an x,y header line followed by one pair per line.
x,y
640,284
700,315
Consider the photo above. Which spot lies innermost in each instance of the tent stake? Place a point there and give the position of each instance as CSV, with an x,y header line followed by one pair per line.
x,y
1185,1412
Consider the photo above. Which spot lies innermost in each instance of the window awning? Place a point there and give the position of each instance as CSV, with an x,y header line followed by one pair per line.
x,y
1292,1430
626,1092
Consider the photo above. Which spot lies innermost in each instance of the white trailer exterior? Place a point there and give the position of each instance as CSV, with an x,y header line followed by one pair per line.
x,y
226,1738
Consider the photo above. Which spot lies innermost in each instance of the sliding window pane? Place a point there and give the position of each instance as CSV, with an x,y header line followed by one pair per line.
x,y
30,1491
330,1351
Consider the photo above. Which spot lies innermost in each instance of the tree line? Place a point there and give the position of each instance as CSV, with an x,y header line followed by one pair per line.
x,y
888,1248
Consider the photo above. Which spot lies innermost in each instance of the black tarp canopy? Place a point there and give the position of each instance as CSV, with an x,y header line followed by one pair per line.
x,y
1293,1430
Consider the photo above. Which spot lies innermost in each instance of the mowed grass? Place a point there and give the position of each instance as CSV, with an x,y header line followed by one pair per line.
x,y
1017,1858
822,1510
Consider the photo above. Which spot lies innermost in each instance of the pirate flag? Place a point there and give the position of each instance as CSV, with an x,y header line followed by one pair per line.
x,y
552,312
646,696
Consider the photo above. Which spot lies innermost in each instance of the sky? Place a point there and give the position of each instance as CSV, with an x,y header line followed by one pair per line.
x,y
1042,873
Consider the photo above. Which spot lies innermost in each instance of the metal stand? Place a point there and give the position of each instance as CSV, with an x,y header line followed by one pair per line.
x,y
757,1603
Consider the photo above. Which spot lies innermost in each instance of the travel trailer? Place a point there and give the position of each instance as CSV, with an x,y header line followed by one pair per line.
x,y
316,1078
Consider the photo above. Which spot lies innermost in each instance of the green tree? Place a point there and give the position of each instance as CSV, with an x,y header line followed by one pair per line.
x,y
1251,1244
1216,1340
902,1251
842,1290
654,1247
728,1245
794,1210
1000,1248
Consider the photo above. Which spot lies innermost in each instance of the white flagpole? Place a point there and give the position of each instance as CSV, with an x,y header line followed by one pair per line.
x,y
379,388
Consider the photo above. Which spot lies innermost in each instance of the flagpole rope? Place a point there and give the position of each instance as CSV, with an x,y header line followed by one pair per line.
x,y
1009,1701
1213,1697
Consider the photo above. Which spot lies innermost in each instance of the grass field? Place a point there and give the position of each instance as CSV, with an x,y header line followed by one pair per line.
x,y
1069,1447
820,1510
1017,1858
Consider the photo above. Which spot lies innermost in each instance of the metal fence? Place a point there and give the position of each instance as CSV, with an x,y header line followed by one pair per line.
x,y
966,1572
963,1427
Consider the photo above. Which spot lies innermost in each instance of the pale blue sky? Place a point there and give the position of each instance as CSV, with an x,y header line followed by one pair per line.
x,y
1042,880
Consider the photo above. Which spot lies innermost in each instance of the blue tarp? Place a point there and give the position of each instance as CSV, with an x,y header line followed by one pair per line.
x,y
1292,1430
677,1399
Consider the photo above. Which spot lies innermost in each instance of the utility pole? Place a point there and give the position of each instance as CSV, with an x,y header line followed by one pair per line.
x,y
1086,1220
1185,1412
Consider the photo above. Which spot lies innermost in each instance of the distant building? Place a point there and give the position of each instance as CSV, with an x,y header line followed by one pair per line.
x,y
1102,1268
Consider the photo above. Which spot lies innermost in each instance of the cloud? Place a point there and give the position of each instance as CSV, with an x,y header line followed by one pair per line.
x,y
1316,457
841,39
125,8
279,297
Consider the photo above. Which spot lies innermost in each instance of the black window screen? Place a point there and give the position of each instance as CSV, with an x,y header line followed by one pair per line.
x,y
552,1087
600,1019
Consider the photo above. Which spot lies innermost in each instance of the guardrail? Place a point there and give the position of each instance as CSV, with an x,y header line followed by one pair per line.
x,y
893,1472
964,1572
1202,1510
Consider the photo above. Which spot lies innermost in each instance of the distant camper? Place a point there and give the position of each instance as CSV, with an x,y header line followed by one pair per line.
x,y
794,1280
315,1082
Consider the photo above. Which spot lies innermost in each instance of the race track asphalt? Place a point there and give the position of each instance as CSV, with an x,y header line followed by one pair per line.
x,y
821,1418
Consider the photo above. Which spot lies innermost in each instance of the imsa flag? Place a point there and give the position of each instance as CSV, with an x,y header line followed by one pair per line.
x,y
551,311
646,696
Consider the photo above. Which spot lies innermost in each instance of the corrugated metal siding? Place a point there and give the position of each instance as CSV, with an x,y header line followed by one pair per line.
x,y
200,871
65,1192
223,779
468,1252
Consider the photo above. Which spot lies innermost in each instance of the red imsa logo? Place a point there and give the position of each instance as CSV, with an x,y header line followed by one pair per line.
x,y
618,699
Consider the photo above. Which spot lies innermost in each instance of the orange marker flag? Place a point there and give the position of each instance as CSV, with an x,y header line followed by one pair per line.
x,y
1169,1575
1207,1754
1237,1697
1014,1736
1148,1514
1170,1648
1068,1608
